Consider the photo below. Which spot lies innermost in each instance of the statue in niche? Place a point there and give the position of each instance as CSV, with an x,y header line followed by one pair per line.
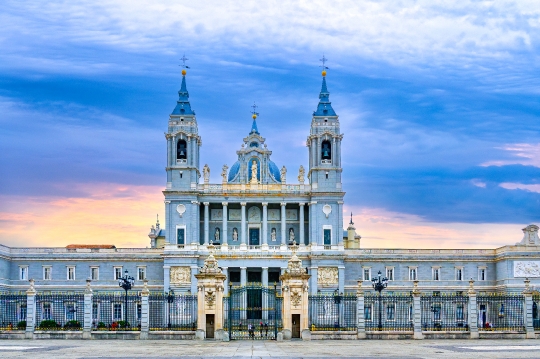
x,y
206,173
291,236
216,235
224,172
301,174
254,172
273,234
283,174
235,234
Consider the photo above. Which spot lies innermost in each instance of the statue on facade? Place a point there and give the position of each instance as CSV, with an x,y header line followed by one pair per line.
x,y
254,172
235,234
283,175
224,172
301,174
216,235
206,173
291,236
273,234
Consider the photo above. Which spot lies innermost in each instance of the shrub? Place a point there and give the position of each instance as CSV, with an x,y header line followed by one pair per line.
x,y
21,325
48,325
101,325
123,324
72,324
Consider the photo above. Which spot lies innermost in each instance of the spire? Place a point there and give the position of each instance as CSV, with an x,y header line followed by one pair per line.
x,y
325,106
351,222
183,107
254,115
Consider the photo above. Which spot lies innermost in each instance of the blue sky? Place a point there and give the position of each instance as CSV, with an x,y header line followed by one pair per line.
x,y
438,103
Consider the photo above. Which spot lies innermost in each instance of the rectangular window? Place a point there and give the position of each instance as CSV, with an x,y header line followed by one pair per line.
x,y
327,237
70,311
94,273
70,273
367,312
47,273
141,273
117,273
367,274
117,311
22,312
46,311
390,273
23,273
180,236
413,273
436,273
459,273
481,274
390,312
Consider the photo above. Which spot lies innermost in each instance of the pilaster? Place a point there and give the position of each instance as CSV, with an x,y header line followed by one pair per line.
x,y
145,311
417,311
30,310
361,325
528,310
472,311
87,321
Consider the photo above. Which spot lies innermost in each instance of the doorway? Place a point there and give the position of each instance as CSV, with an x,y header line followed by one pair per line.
x,y
210,326
254,236
295,326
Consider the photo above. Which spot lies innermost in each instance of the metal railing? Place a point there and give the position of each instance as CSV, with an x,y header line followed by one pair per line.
x,y
59,311
535,314
332,312
500,312
108,312
12,311
172,312
392,312
447,311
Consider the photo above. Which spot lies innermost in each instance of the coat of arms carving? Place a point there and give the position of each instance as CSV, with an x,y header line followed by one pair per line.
x,y
296,297
180,275
327,275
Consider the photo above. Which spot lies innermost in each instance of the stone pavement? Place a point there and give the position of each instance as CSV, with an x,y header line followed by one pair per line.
x,y
93,349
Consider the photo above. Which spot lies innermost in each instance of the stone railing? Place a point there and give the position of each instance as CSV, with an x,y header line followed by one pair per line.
x,y
239,188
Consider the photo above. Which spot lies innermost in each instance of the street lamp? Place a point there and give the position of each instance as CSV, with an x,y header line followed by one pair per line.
x,y
126,282
337,301
170,300
379,283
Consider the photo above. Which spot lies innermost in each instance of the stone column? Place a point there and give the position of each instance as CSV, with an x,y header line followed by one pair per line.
x,y
472,311
361,325
265,226
195,235
166,277
243,225
334,159
528,310
283,226
243,276
206,223
417,312
340,225
264,280
301,226
264,277
87,321
200,334
243,283
225,271
194,271
145,311
224,235
30,311
341,279
314,276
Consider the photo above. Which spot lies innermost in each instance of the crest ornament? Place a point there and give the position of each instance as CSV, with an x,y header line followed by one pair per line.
x,y
327,275
296,297
180,275
210,298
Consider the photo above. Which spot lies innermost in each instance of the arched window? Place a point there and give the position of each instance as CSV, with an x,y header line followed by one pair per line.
x,y
326,150
181,150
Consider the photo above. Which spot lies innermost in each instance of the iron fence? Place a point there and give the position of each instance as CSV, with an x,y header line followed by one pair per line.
x,y
444,312
172,312
332,312
109,311
12,311
392,312
500,312
536,319
59,311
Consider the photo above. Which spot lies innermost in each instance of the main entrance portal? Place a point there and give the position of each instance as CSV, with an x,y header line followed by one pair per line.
x,y
252,312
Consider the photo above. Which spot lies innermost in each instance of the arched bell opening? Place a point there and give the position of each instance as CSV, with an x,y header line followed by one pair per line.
x,y
326,151
181,151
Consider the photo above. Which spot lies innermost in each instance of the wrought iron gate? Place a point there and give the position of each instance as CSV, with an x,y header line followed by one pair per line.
x,y
253,312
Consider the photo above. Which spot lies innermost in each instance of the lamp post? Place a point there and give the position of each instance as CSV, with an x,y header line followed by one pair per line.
x,y
379,283
170,300
337,301
126,282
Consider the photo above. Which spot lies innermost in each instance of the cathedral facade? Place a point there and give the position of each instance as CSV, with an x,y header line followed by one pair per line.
x,y
254,218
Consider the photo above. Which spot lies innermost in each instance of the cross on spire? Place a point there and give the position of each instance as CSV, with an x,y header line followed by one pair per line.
x,y
254,107
323,60
184,59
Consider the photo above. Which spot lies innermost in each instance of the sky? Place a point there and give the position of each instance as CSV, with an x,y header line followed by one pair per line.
x,y
438,102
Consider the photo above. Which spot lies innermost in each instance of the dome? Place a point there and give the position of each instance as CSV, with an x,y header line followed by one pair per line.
x,y
233,172
274,171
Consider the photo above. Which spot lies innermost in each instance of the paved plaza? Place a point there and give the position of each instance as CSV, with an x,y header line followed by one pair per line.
x,y
270,349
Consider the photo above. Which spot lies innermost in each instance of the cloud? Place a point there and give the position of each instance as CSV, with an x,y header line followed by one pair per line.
x,y
521,153
521,186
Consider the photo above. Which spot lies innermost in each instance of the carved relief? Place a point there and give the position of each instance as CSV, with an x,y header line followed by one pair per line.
x,y
235,215
529,269
291,215
216,214
327,275
254,214
274,215
210,298
180,275
296,297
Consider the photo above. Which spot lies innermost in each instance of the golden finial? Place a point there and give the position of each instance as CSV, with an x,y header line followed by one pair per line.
x,y
324,67
184,59
254,113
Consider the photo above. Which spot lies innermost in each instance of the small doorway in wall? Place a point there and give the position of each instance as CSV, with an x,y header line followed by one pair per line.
x,y
210,326
295,326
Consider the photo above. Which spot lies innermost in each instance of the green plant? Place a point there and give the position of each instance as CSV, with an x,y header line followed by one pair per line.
x,y
21,325
101,325
48,324
123,324
72,324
